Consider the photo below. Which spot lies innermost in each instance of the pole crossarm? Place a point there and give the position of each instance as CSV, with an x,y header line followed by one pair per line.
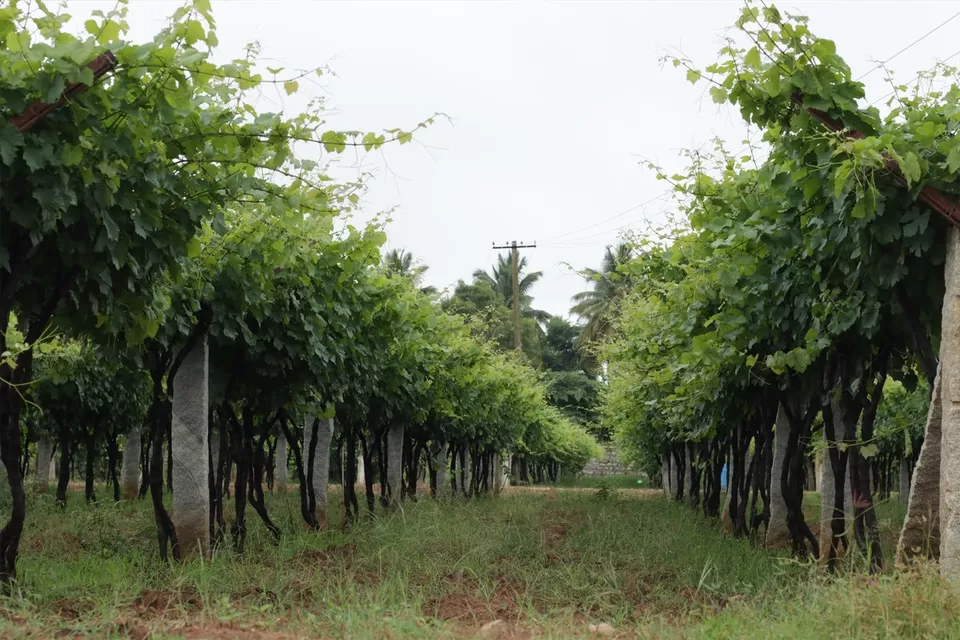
x,y
517,246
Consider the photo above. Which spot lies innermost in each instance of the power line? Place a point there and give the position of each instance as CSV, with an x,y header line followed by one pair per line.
x,y
917,77
592,238
622,238
596,244
597,224
909,46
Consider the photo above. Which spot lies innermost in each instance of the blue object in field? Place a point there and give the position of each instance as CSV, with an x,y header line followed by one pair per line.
x,y
723,477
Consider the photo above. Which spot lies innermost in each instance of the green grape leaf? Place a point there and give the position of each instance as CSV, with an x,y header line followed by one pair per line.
x,y
911,168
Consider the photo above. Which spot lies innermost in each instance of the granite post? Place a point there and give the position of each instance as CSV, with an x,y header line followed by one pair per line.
x,y
778,534
130,466
191,495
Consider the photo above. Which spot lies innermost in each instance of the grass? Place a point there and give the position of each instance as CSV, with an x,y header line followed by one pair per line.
x,y
611,481
547,562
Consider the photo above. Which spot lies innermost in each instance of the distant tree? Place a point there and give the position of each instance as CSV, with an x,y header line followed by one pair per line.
x,y
571,384
561,345
597,305
493,320
577,396
471,299
500,279
402,262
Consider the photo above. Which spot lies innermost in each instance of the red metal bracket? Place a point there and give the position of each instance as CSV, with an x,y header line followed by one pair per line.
x,y
36,111
933,198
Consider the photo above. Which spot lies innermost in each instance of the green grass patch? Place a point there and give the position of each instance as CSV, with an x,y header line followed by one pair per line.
x,y
611,481
547,563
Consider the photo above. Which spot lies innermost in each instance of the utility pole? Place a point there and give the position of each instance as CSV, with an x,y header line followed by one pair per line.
x,y
515,247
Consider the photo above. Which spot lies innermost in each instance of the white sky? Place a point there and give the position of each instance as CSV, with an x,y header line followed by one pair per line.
x,y
554,105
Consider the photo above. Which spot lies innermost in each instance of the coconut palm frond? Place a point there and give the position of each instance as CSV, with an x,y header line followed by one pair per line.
x,y
596,306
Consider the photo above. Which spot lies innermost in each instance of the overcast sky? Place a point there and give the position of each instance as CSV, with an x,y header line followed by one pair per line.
x,y
553,106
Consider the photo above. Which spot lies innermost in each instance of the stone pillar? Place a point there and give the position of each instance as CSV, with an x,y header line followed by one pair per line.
x,y
44,453
920,535
191,495
321,462
440,463
904,480
778,535
395,464
667,471
280,466
130,466
505,470
305,444
818,471
361,475
497,465
828,491
950,417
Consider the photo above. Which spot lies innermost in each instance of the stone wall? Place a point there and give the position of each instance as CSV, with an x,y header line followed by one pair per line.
x,y
609,465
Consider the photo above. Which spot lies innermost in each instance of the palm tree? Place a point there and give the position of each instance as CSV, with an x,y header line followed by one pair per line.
x,y
402,263
500,279
597,305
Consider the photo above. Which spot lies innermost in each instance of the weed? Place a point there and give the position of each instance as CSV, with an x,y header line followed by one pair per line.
x,y
605,492
613,481
546,564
